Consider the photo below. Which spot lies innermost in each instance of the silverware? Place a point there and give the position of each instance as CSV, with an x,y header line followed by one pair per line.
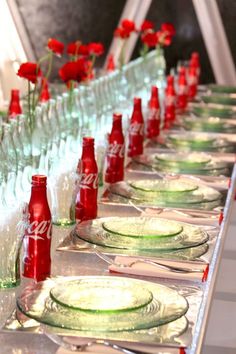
x,y
158,264
82,347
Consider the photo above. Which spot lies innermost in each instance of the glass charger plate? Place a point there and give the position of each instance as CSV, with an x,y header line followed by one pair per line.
x,y
138,227
167,305
213,112
190,161
94,233
199,142
101,295
150,163
222,88
224,100
211,124
203,198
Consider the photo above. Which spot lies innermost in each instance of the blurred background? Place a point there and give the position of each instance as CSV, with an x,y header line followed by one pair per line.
x,y
34,21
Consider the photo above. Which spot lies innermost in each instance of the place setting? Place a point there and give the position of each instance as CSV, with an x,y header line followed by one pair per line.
x,y
110,312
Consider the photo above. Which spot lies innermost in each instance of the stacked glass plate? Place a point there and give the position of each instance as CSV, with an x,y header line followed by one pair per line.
x,y
222,89
199,142
208,124
106,307
183,163
175,193
210,111
141,233
192,163
219,99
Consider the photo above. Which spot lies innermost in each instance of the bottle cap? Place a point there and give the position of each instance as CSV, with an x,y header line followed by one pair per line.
x,y
170,80
15,92
117,116
88,140
137,102
39,179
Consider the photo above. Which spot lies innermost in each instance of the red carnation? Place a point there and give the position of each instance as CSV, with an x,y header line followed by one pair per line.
x,y
168,28
164,38
76,70
150,38
121,33
30,71
147,25
55,46
68,71
96,49
77,48
128,25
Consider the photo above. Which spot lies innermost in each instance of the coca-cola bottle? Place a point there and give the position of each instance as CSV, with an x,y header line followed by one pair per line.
x,y
170,97
116,152
87,184
195,62
182,96
153,117
37,240
192,82
136,130
14,106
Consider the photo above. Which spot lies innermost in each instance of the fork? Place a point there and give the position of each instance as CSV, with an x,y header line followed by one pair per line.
x,y
82,347
160,265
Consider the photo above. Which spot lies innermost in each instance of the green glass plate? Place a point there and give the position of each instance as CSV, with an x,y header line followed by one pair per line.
x,y
101,295
202,198
190,161
222,88
163,186
166,306
137,227
224,100
213,112
191,140
94,233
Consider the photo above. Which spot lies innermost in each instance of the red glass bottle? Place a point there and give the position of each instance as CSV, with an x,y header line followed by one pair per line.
x,y
136,130
195,62
14,106
87,184
44,94
115,155
170,97
182,96
192,82
37,240
153,118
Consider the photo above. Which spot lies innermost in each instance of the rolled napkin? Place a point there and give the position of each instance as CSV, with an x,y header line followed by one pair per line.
x,y
136,347
135,266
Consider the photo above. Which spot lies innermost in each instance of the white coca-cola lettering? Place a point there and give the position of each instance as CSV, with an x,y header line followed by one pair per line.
x,y
89,181
154,114
116,150
192,80
37,228
170,100
136,129
182,90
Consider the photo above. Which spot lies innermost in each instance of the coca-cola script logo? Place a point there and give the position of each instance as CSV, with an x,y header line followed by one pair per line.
x,y
182,90
89,181
192,80
154,113
136,129
170,100
36,230
116,150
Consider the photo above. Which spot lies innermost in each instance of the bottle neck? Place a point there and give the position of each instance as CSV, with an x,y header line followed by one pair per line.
x,y
39,192
117,125
88,152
